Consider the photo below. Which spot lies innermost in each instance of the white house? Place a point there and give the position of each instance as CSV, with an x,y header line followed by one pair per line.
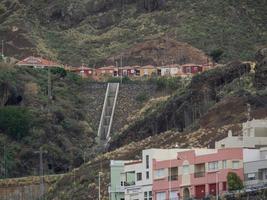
x,y
254,135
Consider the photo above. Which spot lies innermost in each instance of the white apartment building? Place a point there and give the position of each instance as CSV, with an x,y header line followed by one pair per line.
x,y
138,175
255,167
254,135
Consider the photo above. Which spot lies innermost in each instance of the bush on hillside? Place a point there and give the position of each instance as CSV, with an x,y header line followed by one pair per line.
x,y
15,121
166,83
59,71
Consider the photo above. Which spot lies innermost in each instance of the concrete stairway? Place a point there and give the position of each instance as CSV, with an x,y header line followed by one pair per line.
x,y
107,113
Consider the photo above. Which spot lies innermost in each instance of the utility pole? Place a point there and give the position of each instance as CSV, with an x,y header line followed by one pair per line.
x,y
99,185
121,69
49,85
41,172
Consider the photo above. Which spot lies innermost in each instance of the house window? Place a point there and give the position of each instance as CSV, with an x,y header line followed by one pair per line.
x,y
139,176
174,195
186,169
161,195
147,175
251,176
235,164
224,164
160,173
148,195
213,166
147,161
173,174
145,196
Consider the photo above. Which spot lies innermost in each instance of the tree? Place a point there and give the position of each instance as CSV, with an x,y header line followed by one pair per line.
x,y
234,182
15,121
216,55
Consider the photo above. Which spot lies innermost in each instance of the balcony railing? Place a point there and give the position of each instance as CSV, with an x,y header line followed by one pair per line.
x,y
199,174
130,183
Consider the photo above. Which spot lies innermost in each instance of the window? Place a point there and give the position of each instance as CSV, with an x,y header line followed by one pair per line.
x,y
251,176
224,164
147,161
174,195
235,164
160,173
139,176
145,195
173,174
186,169
213,166
148,195
147,175
161,195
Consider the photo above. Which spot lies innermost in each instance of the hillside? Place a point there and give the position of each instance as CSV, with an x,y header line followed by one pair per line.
x,y
226,110
92,31
65,126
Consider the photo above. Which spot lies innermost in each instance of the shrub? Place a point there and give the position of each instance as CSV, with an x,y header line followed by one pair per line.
x,y
59,71
142,97
15,121
234,182
166,83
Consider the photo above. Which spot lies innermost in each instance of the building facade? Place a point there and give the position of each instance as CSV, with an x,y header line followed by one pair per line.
x,y
254,135
136,177
196,173
255,168
116,188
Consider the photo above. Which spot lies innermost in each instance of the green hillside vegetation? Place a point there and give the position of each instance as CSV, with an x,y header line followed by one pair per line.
x,y
90,31
29,121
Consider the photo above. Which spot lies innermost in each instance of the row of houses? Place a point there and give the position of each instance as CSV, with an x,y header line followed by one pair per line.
x,y
113,71
173,174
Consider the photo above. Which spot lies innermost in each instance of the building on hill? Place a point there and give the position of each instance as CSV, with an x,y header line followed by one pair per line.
x,y
36,62
169,70
107,71
126,71
255,168
191,69
83,71
254,135
147,70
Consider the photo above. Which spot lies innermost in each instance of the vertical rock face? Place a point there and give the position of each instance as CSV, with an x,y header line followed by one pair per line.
x,y
261,69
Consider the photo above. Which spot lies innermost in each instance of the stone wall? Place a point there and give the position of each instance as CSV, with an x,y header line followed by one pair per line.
x,y
25,192
129,102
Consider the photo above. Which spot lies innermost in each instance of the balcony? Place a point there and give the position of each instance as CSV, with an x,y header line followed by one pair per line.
x,y
199,174
131,183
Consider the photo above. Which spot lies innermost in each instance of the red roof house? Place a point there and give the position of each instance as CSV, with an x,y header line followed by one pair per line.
x,y
37,62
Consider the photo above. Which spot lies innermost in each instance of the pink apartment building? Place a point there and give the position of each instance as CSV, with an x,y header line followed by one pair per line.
x,y
196,173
